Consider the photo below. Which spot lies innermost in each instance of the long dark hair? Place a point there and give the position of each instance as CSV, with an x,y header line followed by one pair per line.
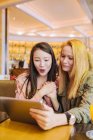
x,y
32,72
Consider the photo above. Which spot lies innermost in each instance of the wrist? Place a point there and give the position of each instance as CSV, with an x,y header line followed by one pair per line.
x,y
60,119
55,103
70,118
53,98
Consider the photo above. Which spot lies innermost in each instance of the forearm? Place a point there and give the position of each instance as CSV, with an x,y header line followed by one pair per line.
x,y
46,89
82,114
38,95
55,103
60,119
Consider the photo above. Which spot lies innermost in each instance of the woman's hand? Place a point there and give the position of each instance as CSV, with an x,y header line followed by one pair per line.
x,y
45,118
49,88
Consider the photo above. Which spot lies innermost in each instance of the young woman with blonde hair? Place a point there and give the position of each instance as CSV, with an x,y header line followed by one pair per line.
x,y
75,88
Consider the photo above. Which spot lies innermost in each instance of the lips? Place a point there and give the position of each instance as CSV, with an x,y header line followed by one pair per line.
x,y
65,66
42,70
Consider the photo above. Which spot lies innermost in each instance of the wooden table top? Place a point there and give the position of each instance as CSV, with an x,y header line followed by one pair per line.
x,y
10,130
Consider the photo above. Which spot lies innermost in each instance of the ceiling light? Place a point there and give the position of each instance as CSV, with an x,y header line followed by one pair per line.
x,y
20,33
42,34
71,35
52,35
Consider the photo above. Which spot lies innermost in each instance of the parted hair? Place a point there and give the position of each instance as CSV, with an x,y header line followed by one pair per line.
x,y
83,62
32,72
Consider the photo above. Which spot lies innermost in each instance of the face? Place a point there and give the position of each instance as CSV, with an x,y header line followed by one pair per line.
x,y
42,62
67,59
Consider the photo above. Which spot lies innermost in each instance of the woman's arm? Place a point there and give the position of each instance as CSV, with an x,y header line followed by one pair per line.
x,y
54,100
48,89
20,89
82,112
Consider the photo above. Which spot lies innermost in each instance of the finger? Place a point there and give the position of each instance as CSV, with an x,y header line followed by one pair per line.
x,y
42,125
34,99
37,111
38,117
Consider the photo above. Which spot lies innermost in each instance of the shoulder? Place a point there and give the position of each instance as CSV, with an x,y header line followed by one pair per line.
x,y
89,78
88,81
86,84
22,77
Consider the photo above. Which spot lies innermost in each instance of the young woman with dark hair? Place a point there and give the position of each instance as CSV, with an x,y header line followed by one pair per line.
x,y
39,82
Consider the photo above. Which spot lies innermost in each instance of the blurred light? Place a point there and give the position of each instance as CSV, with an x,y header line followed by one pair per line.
x,y
31,34
14,18
71,35
52,35
20,33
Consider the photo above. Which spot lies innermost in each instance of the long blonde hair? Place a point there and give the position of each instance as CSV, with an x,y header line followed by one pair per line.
x,y
79,70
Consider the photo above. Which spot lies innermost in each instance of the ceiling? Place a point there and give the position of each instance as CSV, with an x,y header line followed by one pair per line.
x,y
6,3
52,19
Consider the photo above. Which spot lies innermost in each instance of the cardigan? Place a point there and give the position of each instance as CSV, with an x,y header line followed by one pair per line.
x,y
20,91
80,105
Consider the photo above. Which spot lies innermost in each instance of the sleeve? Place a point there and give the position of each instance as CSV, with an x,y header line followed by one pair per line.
x,y
82,113
60,109
20,87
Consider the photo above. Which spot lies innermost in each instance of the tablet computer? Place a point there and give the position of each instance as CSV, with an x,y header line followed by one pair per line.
x,y
18,110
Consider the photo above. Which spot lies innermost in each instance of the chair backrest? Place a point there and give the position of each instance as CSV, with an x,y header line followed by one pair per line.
x,y
7,88
18,71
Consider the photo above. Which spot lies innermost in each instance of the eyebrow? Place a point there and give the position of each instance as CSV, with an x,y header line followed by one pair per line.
x,y
67,55
39,57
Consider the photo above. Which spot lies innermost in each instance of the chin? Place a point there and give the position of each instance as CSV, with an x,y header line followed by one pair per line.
x,y
43,74
66,70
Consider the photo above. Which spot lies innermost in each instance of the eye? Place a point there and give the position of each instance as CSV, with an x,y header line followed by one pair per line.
x,y
46,60
36,60
71,58
63,56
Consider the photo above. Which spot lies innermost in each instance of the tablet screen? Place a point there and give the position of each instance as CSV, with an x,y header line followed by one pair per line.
x,y
18,110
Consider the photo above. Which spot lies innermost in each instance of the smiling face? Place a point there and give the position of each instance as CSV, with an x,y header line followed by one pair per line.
x,y
42,62
67,59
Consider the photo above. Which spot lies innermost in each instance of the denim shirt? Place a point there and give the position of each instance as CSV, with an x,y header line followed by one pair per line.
x,y
79,106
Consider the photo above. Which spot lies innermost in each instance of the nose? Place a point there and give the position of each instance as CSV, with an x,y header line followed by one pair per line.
x,y
42,63
65,60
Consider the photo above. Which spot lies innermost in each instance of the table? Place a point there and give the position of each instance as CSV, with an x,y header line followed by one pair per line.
x,y
11,130
79,131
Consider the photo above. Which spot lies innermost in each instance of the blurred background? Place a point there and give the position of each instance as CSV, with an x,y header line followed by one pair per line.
x,y
27,22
